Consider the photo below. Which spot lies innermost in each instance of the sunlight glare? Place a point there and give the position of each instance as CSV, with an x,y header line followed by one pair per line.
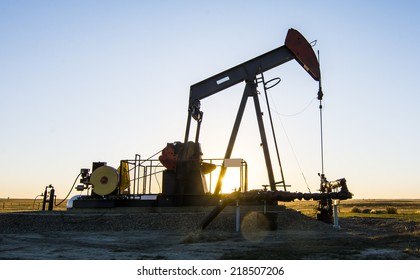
x,y
231,181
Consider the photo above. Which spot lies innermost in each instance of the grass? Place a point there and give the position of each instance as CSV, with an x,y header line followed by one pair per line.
x,y
391,210
413,217
356,209
27,205
407,210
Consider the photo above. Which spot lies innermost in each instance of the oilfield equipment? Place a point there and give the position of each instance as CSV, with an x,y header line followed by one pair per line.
x,y
179,176
48,198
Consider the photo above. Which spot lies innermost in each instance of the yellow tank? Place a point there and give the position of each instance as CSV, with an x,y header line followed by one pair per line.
x,y
106,179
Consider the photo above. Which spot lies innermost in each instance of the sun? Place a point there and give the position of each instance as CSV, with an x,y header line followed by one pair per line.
x,y
231,181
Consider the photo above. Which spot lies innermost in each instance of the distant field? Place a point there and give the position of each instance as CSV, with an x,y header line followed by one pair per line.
x,y
24,205
375,208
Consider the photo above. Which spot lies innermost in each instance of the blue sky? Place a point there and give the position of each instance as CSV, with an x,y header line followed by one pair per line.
x,y
84,81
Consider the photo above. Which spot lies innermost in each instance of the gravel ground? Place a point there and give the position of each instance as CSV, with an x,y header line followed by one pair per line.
x,y
109,221
67,235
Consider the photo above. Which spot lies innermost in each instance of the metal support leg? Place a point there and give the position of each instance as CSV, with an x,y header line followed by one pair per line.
x,y
264,142
187,129
246,94
238,217
336,225
197,134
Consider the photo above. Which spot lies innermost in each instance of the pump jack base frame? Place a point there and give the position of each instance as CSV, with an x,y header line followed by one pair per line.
x,y
153,201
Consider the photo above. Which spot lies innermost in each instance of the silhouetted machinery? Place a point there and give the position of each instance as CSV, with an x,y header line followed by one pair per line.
x,y
181,164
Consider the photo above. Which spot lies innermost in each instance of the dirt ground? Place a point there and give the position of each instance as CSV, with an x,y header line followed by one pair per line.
x,y
61,235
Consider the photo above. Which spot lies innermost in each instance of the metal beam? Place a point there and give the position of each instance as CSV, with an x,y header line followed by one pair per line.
x,y
244,71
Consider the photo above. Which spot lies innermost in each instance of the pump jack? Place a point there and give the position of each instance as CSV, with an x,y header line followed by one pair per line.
x,y
183,182
296,47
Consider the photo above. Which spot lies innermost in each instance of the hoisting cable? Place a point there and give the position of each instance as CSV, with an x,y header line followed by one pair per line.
x,y
320,95
283,181
299,112
290,144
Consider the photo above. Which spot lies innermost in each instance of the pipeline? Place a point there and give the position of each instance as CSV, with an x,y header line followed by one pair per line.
x,y
328,193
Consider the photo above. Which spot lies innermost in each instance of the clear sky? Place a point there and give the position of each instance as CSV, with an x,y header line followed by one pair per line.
x,y
85,81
